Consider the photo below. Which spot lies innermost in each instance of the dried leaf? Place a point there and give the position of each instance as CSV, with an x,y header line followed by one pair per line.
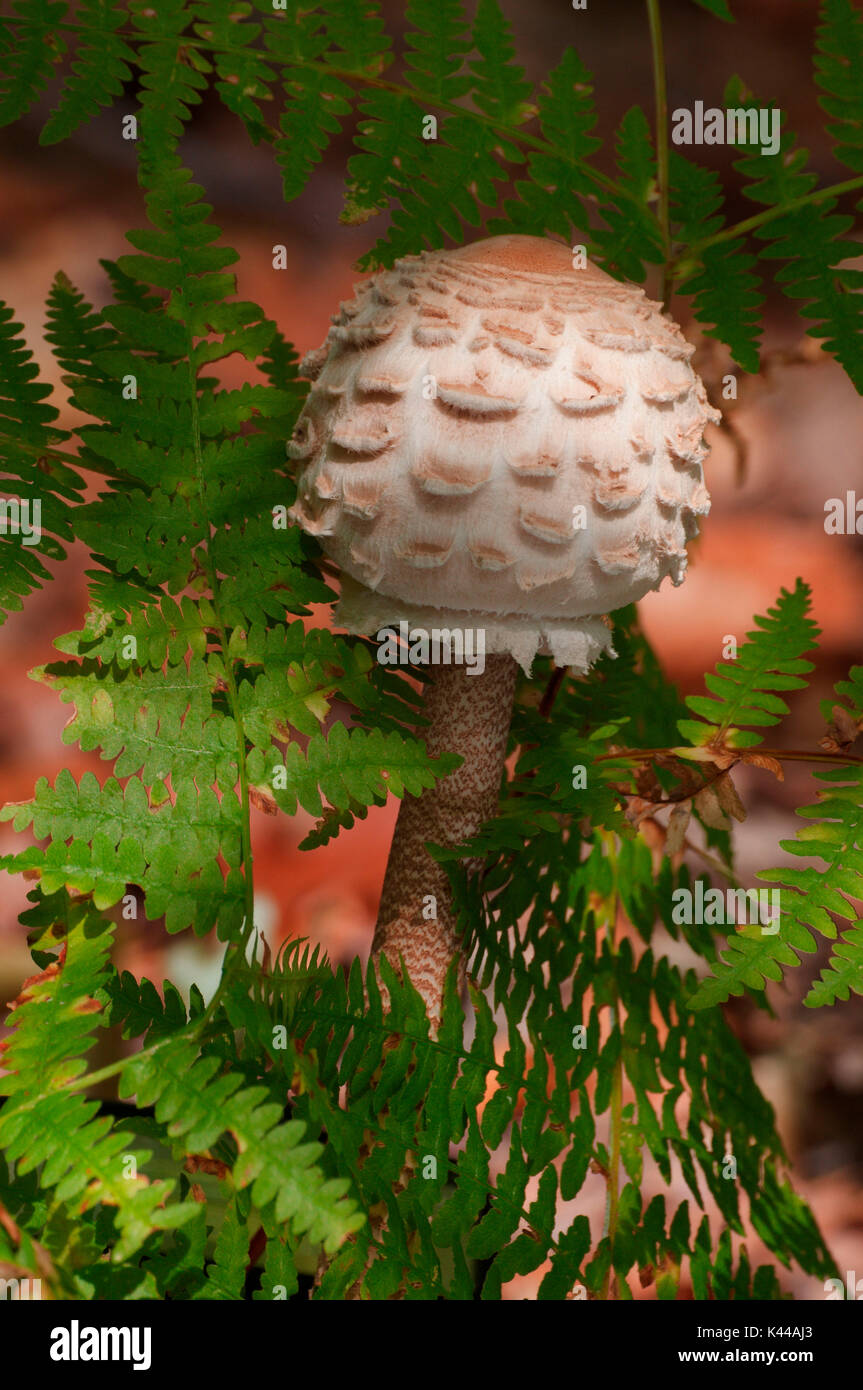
x,y
203,1163
263,801
678,821
844,731
708,807
726,795
764,760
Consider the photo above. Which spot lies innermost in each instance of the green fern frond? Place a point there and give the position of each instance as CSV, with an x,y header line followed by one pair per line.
x,y
838,64
499,85
316,101
346,766
44,1123
141,1011
28,55
811,242
843,975
38,492
198,1102
743,691
810,897
103,63
226,1276
631,236
121,835
437,40
170,82
567,117
718,8
727,297
243,78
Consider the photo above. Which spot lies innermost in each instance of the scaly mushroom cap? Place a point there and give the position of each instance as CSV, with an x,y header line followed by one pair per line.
x,y
466,406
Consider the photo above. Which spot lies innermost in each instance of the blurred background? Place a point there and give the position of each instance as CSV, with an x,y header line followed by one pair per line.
x,y
799,441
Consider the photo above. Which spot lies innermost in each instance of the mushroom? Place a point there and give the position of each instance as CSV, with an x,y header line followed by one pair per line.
x,y
495,443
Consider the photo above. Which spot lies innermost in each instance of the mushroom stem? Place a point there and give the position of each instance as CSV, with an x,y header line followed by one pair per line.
x,y
469,715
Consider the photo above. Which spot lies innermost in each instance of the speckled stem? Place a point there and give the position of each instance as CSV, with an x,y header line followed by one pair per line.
x,y
470,715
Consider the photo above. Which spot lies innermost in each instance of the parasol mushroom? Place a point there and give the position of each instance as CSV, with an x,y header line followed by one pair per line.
x,y
495,442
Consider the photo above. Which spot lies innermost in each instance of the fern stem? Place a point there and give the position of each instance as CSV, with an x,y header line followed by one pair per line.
x,y
106,470
760,219
660,90
794,755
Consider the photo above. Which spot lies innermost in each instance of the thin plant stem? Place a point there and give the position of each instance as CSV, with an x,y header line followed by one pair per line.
x,y
660,92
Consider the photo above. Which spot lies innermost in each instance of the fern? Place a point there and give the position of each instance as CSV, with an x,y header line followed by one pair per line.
x,y
29,51
102,65
81,1156
436,44
743,691
40,489
196,1102
811,898
170,83
632,235
500,89
811,242
839,54
719,8
726,293
566,117
291,1113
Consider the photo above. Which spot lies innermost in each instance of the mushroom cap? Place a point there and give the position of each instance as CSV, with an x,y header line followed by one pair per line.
x,y
496,436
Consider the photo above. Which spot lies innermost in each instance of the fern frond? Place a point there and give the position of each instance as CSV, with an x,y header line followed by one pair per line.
x,y
843,975
44,1123
727,297
309,48
38,493
838,64
550,201
810,897
28,55
121,835
743,691
103,63
226,1276
631,236
346,766
811,242
243,76
499,85
141,1011
436,43
170,84
198,1102
718,8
